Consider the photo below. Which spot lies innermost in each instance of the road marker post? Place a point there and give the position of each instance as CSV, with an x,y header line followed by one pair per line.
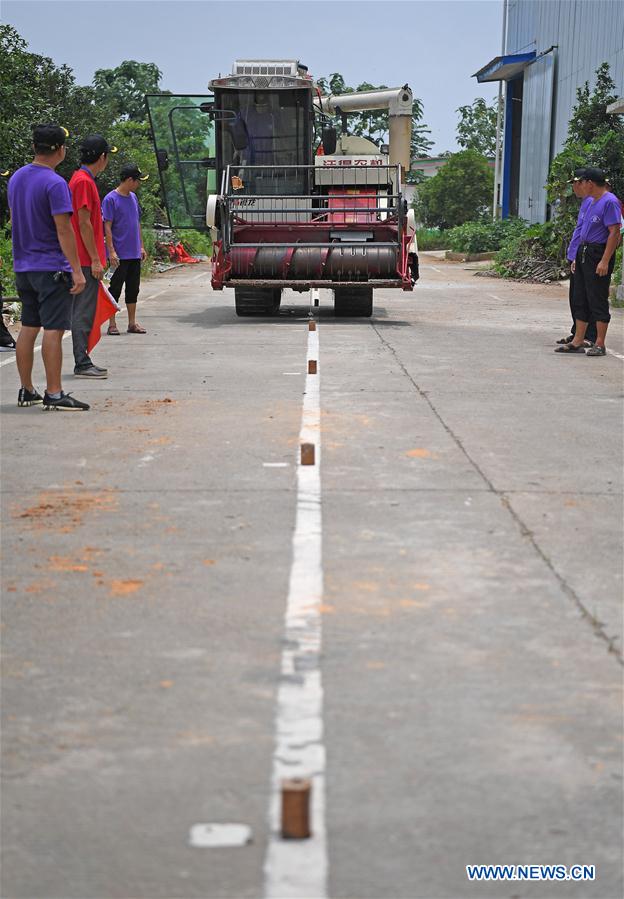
x,y
296,808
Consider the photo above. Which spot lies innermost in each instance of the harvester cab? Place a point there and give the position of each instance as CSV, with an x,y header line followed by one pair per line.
x,y
288,201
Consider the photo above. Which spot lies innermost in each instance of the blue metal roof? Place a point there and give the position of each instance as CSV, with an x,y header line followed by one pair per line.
x,y
504,68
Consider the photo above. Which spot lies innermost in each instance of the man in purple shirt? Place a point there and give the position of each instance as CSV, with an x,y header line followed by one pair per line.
x,y
595,258
579,188
122,228
46,264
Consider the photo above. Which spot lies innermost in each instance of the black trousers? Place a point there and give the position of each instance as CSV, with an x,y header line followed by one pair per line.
x,y
591,291
590,333
128,272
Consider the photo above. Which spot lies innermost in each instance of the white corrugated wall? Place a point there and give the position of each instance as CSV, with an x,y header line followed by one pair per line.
x,y
586,34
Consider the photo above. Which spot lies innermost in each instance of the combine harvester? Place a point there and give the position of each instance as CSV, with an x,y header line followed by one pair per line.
x,y
290,203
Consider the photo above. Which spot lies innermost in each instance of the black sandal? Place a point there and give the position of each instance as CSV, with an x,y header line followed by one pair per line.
x,y
567,339
570,348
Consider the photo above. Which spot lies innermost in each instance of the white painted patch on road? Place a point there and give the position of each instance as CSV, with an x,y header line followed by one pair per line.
x,y
617,355
494,297
219,836
145,460
297,869
291,372
275,464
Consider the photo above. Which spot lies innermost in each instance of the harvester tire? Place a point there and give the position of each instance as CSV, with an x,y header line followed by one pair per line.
x,y
250,301
353,302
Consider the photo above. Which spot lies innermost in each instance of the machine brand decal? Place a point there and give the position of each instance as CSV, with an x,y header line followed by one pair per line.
x,y
237,183
351,162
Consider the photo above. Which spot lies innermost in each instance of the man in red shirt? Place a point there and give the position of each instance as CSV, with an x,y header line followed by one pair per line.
x,y
89,229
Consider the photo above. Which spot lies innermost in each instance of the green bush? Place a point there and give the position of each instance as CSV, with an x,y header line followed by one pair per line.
x,y
431,239
483,236
6,270
460,192
197,243
538,243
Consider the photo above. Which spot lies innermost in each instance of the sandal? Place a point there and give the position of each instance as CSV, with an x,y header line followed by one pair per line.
x,y
136,329
113,331
570,348
567,339
596,351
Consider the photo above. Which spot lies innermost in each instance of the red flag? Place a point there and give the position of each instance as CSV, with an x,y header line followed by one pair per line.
x,y
106,307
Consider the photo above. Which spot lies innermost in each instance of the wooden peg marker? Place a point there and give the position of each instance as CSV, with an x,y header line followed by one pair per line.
x,y
296,809
307,454
311,326
311,366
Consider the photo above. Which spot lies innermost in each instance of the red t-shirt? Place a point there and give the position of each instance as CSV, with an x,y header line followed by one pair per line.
x,y
85,194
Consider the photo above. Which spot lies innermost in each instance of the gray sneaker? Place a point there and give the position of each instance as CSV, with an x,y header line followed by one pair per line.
x,y
92,372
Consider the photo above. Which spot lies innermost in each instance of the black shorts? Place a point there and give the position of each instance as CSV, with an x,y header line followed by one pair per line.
x,y
590,301
128,272
46,300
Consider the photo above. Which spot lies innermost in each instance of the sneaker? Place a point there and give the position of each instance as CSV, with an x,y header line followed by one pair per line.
x,y
65,403
92,372
28,397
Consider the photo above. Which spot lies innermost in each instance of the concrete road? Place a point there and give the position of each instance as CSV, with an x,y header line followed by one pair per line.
x,y
471,618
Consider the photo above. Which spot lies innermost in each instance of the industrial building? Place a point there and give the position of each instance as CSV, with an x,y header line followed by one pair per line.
x,y
549,49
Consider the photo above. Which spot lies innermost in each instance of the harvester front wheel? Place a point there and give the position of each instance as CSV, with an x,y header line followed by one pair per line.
x,y
250,301
353,302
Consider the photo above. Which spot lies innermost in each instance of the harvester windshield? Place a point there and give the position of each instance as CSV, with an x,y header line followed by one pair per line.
x,y
268,128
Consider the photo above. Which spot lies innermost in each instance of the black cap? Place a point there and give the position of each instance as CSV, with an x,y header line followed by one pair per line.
x,y
579,175
595,175
49,136
132,171
92,147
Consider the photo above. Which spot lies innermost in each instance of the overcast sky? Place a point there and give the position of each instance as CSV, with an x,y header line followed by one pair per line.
x,y
433,45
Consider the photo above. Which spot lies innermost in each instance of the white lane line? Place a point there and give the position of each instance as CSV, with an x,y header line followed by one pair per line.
x,y
435,269
494,297
617,355
291,372
276,464
36,350
297,869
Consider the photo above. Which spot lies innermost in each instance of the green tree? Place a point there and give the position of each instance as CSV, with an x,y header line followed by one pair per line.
x,y
460,192
373,123
40,91
594,138
476,129
124,87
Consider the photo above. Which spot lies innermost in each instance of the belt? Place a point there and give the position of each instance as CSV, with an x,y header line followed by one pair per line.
x,y
591,246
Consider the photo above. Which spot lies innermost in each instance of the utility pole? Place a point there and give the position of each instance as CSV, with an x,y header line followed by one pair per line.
x,y
497,160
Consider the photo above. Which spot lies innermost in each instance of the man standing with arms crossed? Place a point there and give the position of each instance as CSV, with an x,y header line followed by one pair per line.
x,y
89,231
122,224
46,264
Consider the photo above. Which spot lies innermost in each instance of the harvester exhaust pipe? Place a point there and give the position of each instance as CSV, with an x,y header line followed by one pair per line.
x,y
397,100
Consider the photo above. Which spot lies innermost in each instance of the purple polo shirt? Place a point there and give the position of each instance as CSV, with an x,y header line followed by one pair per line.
x,y
599,216
36,193
124,214
576,236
